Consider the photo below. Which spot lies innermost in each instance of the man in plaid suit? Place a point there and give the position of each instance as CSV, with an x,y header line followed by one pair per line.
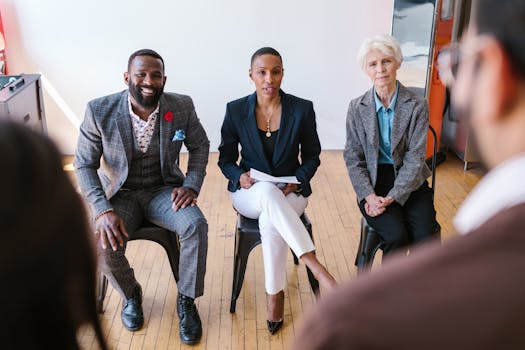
x,y
127,167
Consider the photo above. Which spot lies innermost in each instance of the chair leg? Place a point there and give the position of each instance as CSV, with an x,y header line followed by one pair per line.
x,y
368,246
314,283
101,292
243,247
361,248
295,258
239,269
437,231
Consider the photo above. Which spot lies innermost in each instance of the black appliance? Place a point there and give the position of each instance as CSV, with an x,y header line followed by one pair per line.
x,y
21,100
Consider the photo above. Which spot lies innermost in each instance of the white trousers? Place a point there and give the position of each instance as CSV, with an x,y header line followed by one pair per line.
x,y
280,227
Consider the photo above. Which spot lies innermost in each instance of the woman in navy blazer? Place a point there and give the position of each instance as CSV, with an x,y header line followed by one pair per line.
x,y
277,134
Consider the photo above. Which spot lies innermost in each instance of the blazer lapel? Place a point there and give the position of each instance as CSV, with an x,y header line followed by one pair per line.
x,y
123,123
367,112
285,128
403,112
171,118
164,129
250,126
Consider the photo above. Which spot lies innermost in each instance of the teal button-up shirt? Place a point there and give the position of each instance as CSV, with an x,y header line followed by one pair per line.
x,y
385,118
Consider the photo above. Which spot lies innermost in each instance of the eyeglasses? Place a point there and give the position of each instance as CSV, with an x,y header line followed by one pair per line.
x,y
450,57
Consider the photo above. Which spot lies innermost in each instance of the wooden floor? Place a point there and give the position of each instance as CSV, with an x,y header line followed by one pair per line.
x,y
335,219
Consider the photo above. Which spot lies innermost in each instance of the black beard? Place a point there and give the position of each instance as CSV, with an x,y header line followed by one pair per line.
x,y
149,101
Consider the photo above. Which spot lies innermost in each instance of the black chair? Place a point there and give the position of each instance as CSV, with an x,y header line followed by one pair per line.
x,y
370,241
247,237
168,240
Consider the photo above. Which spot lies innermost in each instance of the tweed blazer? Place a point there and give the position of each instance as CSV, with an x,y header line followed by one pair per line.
x,y
408,140
105,145
297,138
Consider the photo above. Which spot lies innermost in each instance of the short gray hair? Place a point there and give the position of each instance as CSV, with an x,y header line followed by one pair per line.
x,y
385,43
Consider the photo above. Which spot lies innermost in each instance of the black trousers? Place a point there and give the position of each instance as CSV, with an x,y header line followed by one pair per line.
x,y
401,225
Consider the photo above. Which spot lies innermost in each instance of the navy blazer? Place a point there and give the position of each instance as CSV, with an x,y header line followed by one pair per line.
x,y
297,139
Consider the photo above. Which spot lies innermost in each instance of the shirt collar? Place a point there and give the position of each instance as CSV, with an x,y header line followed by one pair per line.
x,y
154,113
498,190
392,104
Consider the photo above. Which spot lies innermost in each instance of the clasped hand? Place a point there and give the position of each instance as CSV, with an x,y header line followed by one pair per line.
x,y
246,182
376,205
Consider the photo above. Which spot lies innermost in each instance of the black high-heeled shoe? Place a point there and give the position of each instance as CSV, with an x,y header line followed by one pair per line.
x,y
274,326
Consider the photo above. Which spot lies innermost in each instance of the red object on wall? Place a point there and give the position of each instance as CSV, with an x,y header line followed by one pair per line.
x,y
436,91
3,64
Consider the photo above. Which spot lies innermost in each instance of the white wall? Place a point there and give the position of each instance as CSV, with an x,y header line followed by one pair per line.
x,y
82,47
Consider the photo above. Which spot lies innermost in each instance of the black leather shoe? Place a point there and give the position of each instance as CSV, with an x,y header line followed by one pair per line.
x,y
190,327
132,316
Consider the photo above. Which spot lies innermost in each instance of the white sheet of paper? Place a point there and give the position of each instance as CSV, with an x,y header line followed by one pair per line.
x,y
260,176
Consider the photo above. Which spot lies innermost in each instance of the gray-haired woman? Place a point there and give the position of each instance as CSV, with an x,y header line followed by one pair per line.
x,y
385,150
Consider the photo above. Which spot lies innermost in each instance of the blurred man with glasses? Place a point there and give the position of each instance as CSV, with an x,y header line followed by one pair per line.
x,y
468,293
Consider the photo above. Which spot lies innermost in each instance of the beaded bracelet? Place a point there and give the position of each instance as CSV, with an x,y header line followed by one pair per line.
x,y
102,213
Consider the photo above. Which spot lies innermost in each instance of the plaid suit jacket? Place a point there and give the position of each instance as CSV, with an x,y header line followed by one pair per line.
x,y
106,140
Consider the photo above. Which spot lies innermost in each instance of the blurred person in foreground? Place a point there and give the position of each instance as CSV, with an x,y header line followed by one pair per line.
x,y
47,261
386,138
467,293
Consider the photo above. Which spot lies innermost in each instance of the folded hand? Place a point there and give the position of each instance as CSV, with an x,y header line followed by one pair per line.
x,y
289,188
246,181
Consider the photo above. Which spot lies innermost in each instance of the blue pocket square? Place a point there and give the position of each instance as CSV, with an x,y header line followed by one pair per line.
x,y
180,135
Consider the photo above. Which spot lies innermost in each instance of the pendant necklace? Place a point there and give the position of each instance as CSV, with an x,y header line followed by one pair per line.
x,y
268,132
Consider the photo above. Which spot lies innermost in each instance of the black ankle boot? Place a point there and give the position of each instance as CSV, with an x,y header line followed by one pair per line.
x,y
190,327
132,316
